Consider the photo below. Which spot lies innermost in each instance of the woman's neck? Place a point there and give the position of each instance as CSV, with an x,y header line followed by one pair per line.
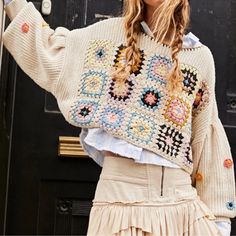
x,y
148,14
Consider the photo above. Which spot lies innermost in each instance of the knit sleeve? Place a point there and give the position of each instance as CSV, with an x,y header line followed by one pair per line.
x,y
38,50
213,168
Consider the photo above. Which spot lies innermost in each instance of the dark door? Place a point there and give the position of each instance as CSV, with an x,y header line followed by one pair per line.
x,y
47,193
51,194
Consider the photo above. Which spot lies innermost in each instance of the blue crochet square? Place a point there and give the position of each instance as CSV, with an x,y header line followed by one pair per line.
x,y
99,54
158,68
112,117
150,98
83,111
140,128
93,83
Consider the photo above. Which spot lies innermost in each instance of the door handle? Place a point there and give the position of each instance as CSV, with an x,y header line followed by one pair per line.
x,y
70,147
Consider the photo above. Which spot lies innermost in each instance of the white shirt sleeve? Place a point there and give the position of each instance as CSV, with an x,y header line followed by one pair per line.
x,y
7,1
224,227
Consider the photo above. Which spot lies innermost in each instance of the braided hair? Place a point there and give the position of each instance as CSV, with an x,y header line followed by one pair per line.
x,y
172,16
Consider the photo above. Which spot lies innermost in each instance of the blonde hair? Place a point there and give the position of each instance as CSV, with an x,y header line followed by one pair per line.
x,y
171,16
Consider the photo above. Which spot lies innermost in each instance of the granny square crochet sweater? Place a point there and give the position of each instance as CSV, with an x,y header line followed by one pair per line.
x,y
75,67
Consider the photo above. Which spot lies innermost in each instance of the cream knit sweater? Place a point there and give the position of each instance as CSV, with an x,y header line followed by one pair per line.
x,y
184,128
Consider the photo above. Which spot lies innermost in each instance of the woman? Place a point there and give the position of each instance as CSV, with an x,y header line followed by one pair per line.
x,y
147,89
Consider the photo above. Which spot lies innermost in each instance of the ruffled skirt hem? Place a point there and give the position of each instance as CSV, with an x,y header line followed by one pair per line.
x,y
192,218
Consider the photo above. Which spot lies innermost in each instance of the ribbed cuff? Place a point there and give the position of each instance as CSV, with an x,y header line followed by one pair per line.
x,y
222,218
14,7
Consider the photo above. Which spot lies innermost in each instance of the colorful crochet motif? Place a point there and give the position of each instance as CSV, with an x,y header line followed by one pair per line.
x,y
177,111
120,59
112,117
198,176
201,99
140,127
228,163
169,140
150,98
158,67
25,28
144,97
121,90
187,154
93,83
190,78
230,205
83,111
99,54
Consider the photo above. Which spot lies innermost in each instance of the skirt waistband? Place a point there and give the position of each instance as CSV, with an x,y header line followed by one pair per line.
x,y
123,167
123,180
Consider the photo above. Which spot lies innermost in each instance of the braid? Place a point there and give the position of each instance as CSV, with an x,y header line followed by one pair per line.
x,y
132,52
170,15
175,77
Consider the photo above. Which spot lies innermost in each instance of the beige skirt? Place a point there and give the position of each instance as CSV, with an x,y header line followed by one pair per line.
x,y
144,199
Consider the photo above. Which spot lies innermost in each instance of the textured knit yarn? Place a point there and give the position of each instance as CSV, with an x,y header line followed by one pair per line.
x,y
75,67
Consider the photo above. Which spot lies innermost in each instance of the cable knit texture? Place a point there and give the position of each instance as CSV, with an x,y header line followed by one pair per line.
x,y
183,128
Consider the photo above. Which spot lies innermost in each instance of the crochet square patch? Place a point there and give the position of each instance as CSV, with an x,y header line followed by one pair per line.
x,y
190,78
100,54
158,68
150,98
82,112
177,111
140,128
169,140
93,83
187,155
201,98
112,117
120,59
121,91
